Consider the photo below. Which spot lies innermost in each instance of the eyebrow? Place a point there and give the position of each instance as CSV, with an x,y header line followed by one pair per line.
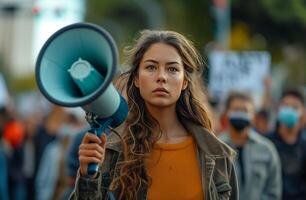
x,y
168,63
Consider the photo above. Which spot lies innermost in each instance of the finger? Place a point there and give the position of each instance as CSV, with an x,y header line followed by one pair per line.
x,y
83,170
103,139
84,159
92,146
91,153
90,137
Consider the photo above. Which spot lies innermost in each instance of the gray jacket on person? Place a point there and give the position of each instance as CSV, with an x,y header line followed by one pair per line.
x,y
215,160
262,168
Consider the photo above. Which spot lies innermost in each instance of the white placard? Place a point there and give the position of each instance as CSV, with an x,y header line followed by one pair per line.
x,y
239,71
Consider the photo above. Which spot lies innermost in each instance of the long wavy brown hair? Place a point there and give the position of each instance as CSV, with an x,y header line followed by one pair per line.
x,y
141,130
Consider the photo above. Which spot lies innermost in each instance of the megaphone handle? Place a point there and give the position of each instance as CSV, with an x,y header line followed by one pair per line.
x,y
93,168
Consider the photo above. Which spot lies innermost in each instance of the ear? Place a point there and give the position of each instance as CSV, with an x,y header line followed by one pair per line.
x,y
136,81
185,84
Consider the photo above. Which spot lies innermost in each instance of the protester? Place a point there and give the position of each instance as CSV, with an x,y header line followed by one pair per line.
x,y
4,192
38,135
258,166
51,180
28,150
13,134
167,138
262,121
290,144
4,173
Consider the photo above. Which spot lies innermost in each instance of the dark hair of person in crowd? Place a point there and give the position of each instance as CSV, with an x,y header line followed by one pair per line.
x,y
294,92
262,121
263,113
237,95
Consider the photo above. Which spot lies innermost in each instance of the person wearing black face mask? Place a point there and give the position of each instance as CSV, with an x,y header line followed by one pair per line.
x,y
258,165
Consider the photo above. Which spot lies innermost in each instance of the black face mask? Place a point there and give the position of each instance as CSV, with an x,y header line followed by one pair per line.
x,y
239,124
239,120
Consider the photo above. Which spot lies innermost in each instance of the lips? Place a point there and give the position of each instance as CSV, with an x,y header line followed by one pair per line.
x,y
160,90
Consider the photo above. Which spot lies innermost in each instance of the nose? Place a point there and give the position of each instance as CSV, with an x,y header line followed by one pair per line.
x,y
161,76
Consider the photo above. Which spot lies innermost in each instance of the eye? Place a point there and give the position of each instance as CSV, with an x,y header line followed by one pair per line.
x,y
150,67
173,69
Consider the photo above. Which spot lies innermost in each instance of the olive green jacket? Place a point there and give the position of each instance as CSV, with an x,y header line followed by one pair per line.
x,y
215,159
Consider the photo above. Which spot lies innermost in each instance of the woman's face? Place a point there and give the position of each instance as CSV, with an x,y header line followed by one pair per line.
x,y
161,76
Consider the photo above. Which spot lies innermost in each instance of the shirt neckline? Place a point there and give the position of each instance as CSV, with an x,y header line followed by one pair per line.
x,y
174,146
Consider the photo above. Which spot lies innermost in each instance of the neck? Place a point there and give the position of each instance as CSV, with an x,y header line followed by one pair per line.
x,y
289,136
239,138
172,129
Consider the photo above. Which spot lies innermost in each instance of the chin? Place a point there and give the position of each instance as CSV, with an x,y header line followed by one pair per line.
x,y
161,104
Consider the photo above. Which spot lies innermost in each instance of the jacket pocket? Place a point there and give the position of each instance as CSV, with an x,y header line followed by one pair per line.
x,y
224,191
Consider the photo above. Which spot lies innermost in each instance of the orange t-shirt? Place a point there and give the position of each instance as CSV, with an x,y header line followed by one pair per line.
x,y
175,172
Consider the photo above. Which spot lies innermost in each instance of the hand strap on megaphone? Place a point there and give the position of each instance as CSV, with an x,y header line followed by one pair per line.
x,y
98,125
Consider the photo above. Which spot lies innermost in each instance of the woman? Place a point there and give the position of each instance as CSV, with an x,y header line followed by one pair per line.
x,y
167,149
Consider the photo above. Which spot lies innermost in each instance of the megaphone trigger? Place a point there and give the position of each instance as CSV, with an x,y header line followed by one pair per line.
x,y
99,126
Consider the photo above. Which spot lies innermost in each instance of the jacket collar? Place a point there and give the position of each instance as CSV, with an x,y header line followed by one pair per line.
x,y
113,139
207,141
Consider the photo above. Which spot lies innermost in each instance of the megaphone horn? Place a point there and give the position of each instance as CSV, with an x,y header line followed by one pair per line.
x,y
75,67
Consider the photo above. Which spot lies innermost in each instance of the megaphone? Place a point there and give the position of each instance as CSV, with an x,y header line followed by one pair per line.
x,y
75,67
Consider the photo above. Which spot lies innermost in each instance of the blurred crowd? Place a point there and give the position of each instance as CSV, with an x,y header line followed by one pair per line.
x,y
39,151
270,145
34,153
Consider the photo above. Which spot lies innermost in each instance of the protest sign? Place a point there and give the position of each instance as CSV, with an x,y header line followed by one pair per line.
x,y
239,71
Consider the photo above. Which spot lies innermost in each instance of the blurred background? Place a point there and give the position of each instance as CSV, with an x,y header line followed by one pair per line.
x,y
277,28
257,46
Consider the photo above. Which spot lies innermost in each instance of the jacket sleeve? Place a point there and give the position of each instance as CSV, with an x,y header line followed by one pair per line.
x,y
87,188
234,184
273,186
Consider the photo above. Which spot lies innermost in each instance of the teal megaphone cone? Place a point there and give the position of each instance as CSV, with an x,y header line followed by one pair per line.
x,y
75,67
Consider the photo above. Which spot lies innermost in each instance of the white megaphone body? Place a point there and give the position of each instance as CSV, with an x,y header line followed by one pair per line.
x,y
75,67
